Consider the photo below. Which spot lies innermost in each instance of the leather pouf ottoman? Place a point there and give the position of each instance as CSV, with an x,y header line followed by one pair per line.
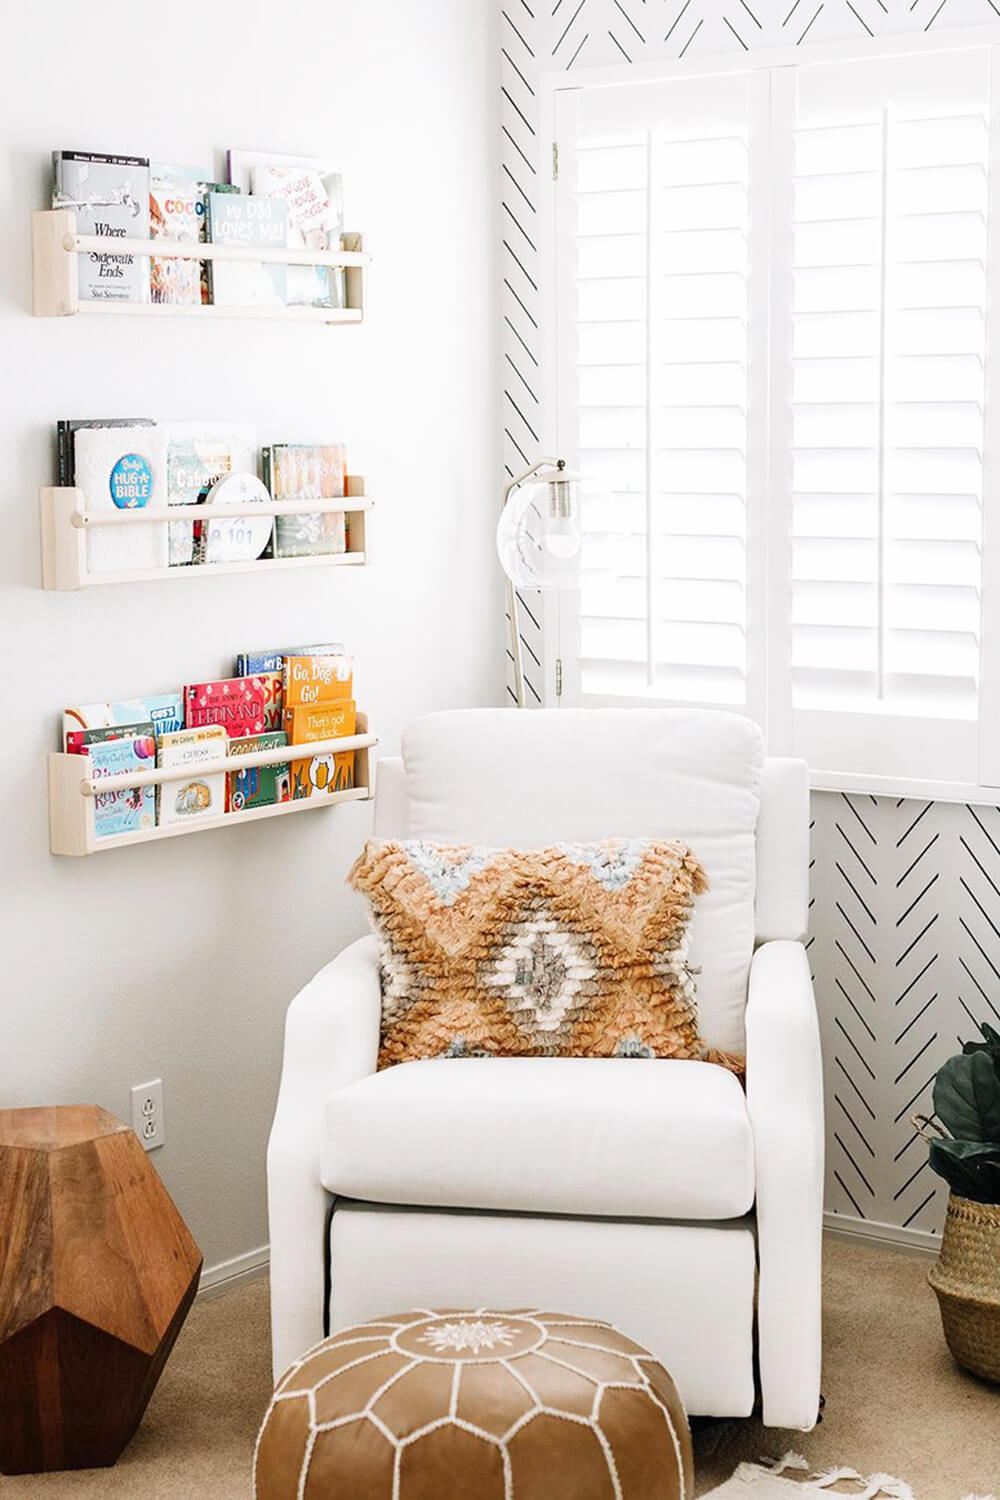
x,y
475,1406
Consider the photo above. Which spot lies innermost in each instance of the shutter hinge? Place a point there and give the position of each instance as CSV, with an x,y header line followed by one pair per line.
x,y
558,676
555,161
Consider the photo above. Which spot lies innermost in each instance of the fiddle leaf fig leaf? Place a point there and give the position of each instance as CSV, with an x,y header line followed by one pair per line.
x,y
967,1097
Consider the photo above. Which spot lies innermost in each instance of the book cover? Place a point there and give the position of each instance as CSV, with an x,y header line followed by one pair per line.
x,y
197,455
258,786
273,686
162,712
248,663
202,793
330,772
128,808
314,198
173,215
322,774
239,704
122,469
324,721
66,441
240,219
307,471
317,679
231,539
110,197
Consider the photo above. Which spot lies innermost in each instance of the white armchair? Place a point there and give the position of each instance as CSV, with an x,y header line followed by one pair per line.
x,y
654,1194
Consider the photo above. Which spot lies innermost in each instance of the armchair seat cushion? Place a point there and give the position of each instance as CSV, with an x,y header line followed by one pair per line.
x,y
608,1137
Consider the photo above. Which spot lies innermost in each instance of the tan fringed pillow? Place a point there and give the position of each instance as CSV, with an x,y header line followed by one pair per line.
x,y
578,950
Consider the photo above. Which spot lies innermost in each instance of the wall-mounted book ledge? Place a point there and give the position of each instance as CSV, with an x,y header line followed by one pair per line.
x,y
72,792
65,523
56,246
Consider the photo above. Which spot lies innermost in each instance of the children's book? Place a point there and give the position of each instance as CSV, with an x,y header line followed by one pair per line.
x,y
127,808
325,721
66,441
317,679
240,704
258,786
199,454
231,539
273,685
328,772
314,197
123,469
173,215
250,662
201,793
240,219
307,471
110,197
162,711
199,182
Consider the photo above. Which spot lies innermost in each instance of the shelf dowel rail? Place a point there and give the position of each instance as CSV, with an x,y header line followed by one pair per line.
x,y
86,519
95,244
92,786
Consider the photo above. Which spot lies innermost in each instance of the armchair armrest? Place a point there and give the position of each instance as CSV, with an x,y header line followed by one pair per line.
x,y
331,1039
785,1103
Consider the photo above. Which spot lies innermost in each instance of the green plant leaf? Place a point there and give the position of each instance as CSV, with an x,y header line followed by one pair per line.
x,y
967,1097
970,1168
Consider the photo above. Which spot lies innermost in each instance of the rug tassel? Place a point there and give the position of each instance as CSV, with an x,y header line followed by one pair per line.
x,y
789,1460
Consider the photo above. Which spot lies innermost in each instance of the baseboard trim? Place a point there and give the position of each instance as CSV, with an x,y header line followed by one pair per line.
x,y
889,1236
230,1273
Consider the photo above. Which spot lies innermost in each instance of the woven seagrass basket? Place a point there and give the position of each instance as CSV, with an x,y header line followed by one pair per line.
x,y
966,1278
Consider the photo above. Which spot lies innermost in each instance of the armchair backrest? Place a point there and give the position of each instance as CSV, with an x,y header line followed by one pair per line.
x,y
503,778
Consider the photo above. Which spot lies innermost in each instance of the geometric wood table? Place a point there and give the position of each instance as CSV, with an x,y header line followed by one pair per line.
x,y
97,1273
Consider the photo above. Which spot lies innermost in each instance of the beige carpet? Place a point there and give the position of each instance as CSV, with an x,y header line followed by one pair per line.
x,y
895,1401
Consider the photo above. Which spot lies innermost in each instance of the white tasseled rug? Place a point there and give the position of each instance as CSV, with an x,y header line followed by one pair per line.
x,y
767,1481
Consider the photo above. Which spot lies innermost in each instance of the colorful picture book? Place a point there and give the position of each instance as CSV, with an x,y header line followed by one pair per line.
x,y
173,215
125,809
110,197
250,662
163,711
240,219
317,679
201,793
259,786
307,471
240,704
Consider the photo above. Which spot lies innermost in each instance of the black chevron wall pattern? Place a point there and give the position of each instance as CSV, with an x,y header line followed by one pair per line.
x,y
905,930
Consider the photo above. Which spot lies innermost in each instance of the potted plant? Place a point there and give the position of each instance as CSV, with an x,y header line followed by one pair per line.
x,y
965,1151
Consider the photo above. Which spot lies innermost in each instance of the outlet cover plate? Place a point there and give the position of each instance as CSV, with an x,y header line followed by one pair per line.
x,y
147,1114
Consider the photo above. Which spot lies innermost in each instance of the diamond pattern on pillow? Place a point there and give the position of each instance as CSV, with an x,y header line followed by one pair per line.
x,y
574,950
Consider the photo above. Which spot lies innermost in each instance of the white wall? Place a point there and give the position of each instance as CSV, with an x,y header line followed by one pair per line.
x,y
179,959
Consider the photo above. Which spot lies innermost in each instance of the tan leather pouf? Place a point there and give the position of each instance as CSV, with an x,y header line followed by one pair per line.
x,y
475,1406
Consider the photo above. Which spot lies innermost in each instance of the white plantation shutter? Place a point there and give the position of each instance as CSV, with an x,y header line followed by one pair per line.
x,y
773,357
887,305
654,388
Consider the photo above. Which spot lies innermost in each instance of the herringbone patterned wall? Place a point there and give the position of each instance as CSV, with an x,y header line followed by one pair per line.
x,y
905,936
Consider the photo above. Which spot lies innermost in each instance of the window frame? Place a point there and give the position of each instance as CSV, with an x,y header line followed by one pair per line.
x,y
768,515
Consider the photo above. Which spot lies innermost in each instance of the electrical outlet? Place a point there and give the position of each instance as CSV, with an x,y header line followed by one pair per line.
x,y
147,1114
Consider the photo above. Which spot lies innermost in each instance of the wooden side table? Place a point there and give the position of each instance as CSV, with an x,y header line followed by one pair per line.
x,y
97,1273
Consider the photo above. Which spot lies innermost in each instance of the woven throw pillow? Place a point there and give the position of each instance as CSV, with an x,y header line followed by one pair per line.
x,y
578,950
